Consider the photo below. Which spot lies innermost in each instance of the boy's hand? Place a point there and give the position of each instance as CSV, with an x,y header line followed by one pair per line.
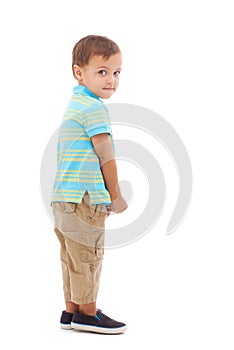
x,y
117,206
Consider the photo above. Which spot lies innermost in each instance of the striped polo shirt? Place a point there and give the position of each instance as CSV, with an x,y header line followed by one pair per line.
x,y
78,167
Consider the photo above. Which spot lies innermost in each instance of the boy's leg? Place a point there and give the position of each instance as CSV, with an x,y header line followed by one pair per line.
x,y
84,266
81,234
88,309
71,307
65,269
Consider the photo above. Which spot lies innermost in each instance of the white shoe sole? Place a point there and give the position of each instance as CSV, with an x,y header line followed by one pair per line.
x,y
65,326
95,329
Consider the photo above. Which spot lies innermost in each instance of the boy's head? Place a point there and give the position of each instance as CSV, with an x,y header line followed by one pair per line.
x,y
96,64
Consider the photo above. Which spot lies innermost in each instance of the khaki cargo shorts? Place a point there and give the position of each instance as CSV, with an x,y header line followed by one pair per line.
x,y
80,229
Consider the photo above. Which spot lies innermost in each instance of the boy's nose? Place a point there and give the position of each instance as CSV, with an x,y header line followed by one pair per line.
x,y
110,80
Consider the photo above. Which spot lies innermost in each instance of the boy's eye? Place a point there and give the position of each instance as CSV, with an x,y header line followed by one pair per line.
x,y
102,72
117,72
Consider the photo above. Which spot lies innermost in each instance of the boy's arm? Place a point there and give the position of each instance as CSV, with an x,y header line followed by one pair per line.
x,y
104,150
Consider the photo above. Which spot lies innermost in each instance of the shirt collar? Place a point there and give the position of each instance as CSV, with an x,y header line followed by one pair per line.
x,y
81,89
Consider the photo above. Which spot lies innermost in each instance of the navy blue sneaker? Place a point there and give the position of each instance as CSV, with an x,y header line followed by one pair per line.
x,y
97,324
65,320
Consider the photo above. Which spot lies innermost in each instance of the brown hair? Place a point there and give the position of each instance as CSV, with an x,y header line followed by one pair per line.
x,y
92,45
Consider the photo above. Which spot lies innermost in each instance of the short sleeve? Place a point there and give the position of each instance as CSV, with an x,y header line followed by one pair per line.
x,y
96,120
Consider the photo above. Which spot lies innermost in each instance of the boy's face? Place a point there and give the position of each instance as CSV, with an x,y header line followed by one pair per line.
x,y
100,76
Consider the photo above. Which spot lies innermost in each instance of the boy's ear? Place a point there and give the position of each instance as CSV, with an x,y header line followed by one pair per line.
x,y
77,72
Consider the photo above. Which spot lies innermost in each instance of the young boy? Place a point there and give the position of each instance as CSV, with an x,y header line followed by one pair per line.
x,y
86,187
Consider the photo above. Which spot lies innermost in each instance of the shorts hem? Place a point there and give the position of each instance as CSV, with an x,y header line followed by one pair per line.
x,y
67,297
80,301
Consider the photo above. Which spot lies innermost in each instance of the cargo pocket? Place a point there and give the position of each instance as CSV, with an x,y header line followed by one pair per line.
x,y
92,254
65,216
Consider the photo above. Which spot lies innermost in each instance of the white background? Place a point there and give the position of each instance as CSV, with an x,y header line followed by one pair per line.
x,y
176,291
